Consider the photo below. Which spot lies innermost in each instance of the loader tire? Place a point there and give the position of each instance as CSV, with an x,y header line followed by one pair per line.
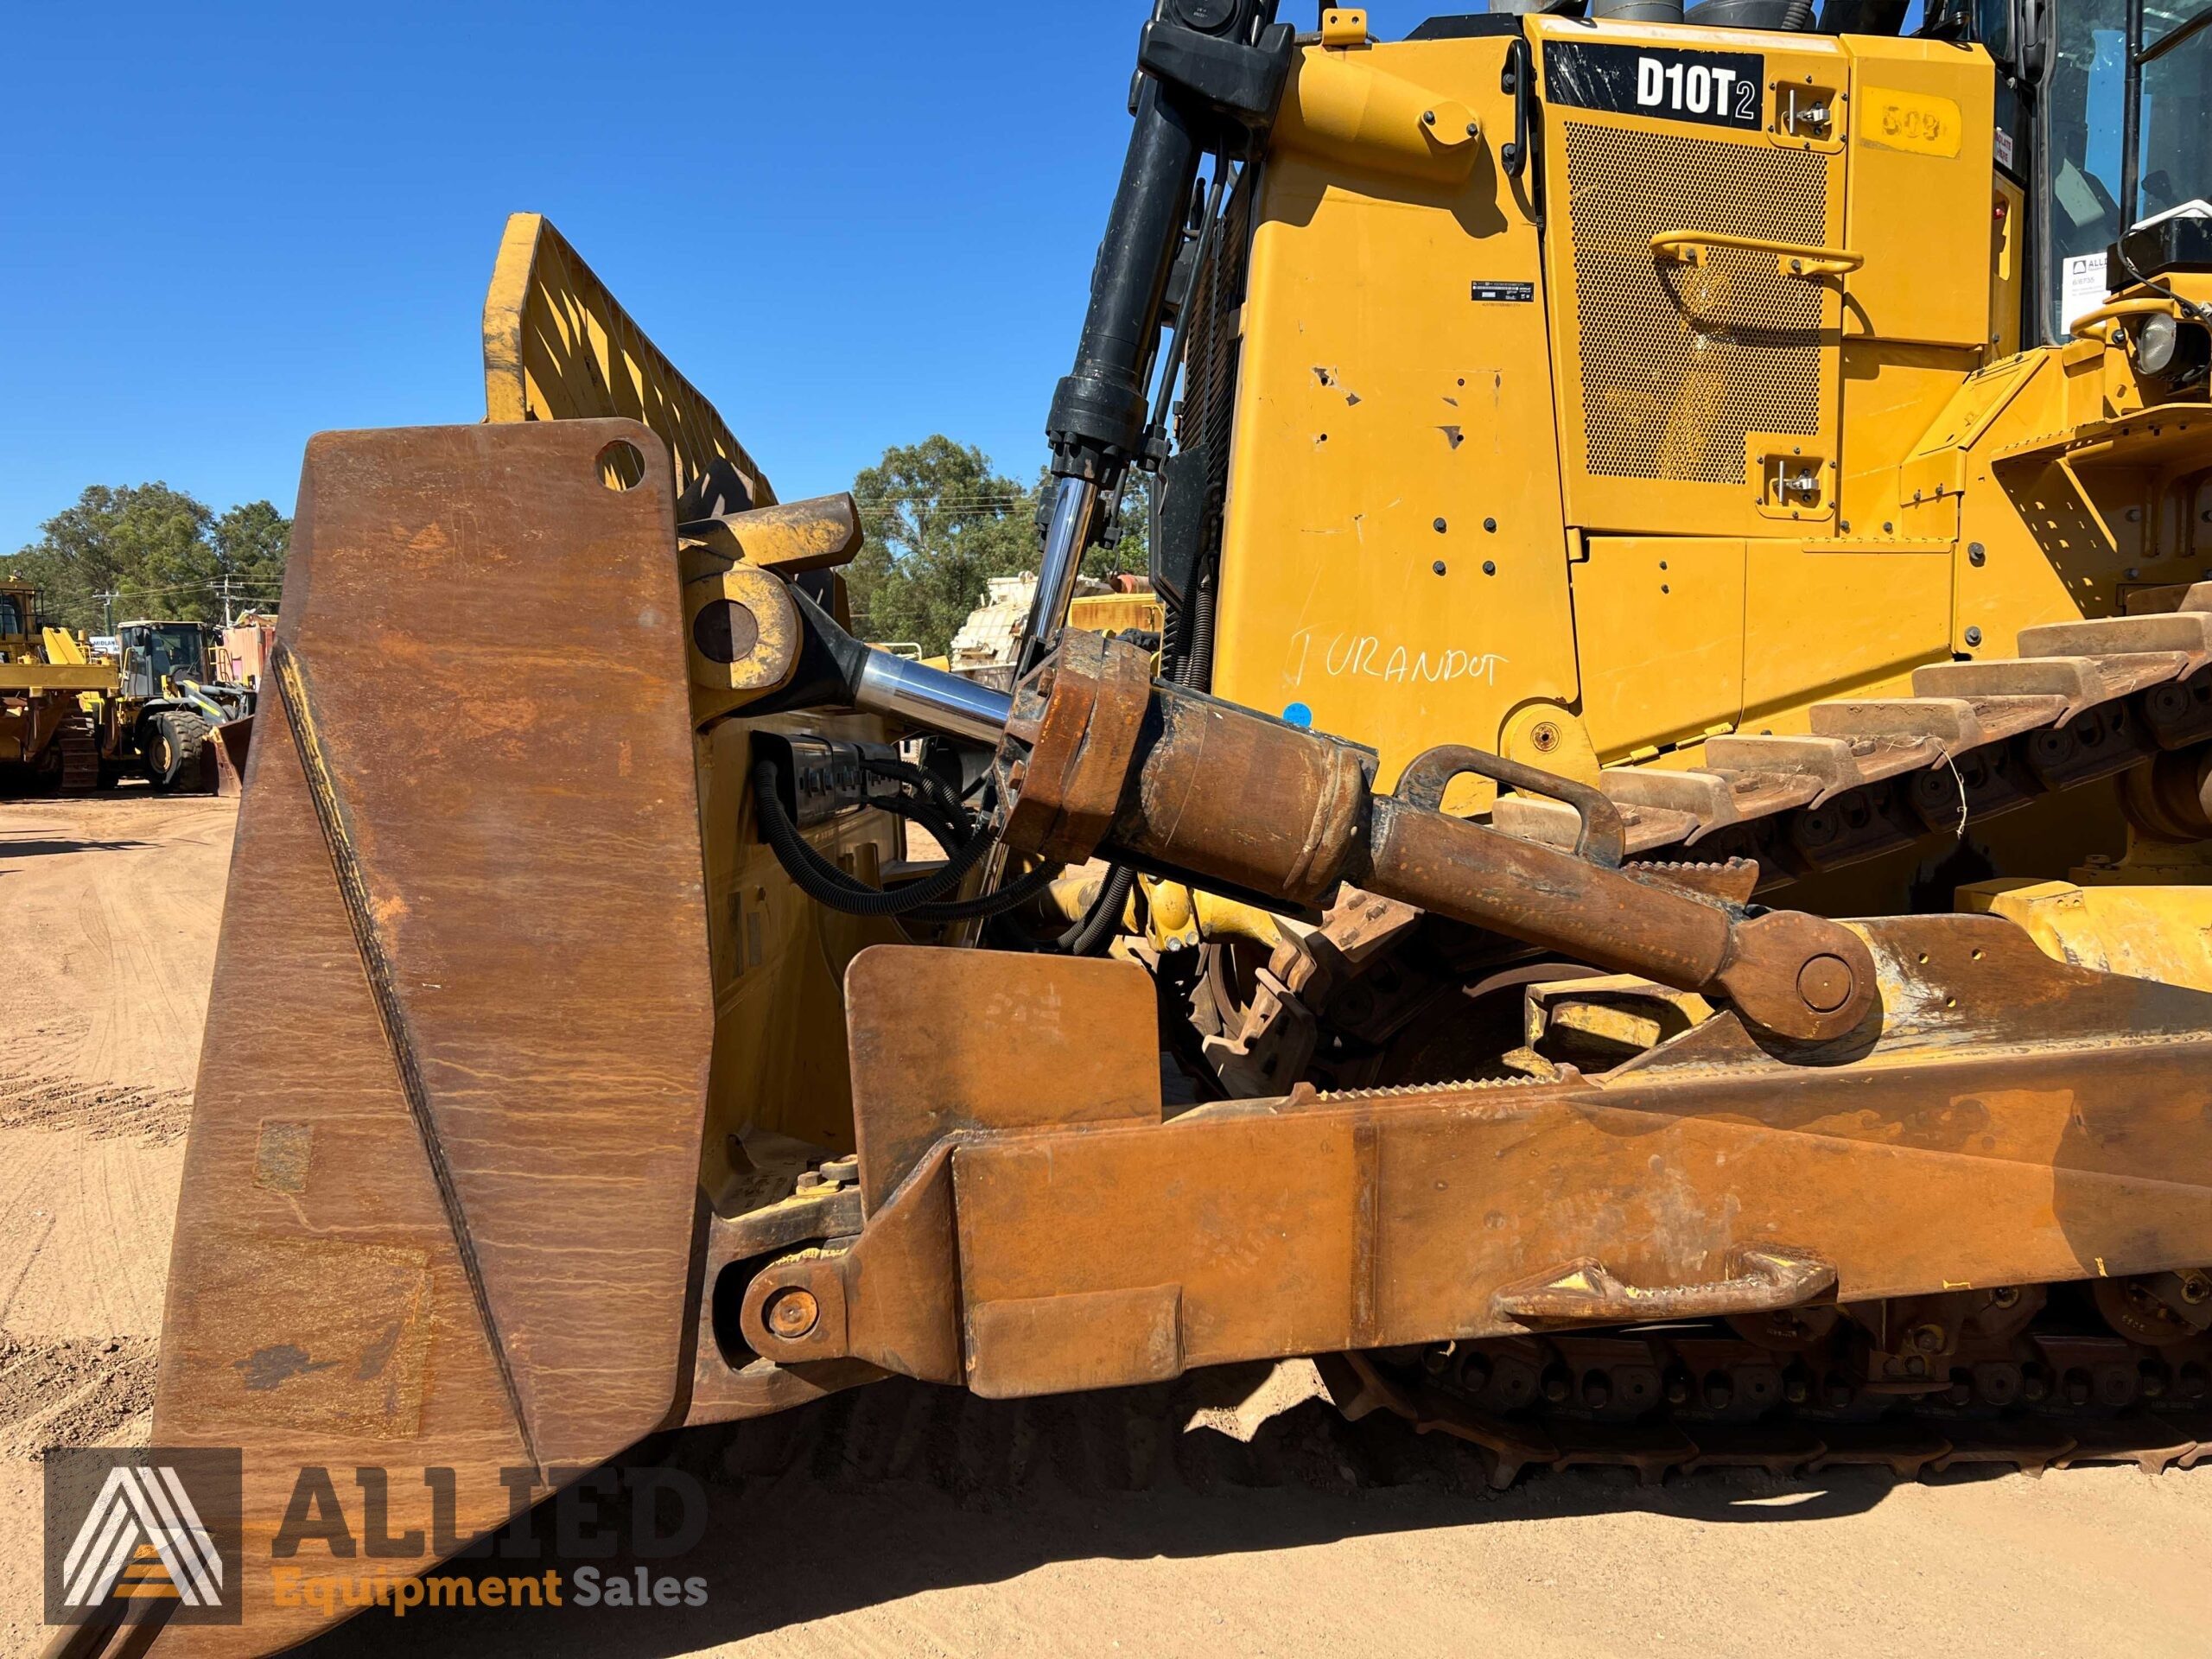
x,y
78,745
173,743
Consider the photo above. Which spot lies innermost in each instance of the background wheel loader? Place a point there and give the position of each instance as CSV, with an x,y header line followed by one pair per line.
x,y
1667,852
169,704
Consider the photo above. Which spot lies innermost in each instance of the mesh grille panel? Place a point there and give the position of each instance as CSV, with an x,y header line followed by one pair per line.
x,y
1208,405
1680,362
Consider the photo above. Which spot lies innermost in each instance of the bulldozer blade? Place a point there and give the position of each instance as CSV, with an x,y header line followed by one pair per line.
x,y
433,1254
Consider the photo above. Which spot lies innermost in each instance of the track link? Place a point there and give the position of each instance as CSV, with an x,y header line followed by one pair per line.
x,y
2084,701
1701,1395
80,754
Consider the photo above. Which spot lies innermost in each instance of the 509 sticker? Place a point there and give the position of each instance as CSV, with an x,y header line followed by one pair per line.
x,y
1718,89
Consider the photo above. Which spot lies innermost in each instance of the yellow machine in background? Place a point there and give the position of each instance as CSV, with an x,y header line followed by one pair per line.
x,y
49,689
70,722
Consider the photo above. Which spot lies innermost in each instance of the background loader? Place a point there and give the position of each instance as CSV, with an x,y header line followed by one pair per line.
x,y
73,722
1666,849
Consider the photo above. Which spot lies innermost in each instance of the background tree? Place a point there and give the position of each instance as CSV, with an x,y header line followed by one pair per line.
x,y
941,522
157,552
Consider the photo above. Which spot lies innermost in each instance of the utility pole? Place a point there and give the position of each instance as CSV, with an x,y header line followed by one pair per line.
x,y
226,599
107,601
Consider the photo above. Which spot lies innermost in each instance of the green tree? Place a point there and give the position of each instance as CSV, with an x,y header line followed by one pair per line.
x,y
941,523
147,550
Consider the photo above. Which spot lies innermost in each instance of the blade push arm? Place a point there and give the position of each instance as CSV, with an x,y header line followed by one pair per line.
x,y
1096,759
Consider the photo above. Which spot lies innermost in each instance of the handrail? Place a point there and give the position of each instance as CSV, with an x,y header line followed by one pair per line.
x,y
2113,310
1791,258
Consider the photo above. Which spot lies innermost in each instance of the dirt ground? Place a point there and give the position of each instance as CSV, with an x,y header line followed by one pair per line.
x,y
903,1519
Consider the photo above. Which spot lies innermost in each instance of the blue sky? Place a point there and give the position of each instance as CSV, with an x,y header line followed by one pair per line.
x,y
225,227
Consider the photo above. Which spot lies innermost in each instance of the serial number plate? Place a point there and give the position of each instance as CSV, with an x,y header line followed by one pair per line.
x,y
1504,292
1718,89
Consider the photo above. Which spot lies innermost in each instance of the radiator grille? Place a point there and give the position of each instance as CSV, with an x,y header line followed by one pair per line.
x,y
1678,362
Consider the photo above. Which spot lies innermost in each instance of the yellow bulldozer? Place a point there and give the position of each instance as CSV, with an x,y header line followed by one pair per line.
x,y
1665,857
49,739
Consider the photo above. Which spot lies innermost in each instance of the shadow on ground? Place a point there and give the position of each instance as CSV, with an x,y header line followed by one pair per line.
x,y
47,848
901,1488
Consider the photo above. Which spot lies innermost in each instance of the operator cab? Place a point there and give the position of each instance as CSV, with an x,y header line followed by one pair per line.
x,y
155,655
18,625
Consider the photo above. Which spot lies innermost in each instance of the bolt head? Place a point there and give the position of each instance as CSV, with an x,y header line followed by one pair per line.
x,y
1826,983
1545,736
1973,635
791,1313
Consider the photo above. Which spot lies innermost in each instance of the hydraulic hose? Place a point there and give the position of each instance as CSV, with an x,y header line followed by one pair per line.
x,y
826,884
1087,936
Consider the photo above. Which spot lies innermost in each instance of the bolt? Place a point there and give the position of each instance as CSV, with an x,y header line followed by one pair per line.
x,y
792,1312
1438,567
2004,1296
1489,566
1440,526
1973,635
1491,525
2195,1288
1888,528
1545,736
1428,117
1977,556
1472,130
1915,1366
1929,1338
1825,982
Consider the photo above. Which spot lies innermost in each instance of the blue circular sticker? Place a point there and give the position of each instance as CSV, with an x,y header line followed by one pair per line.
x,y
1299,715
